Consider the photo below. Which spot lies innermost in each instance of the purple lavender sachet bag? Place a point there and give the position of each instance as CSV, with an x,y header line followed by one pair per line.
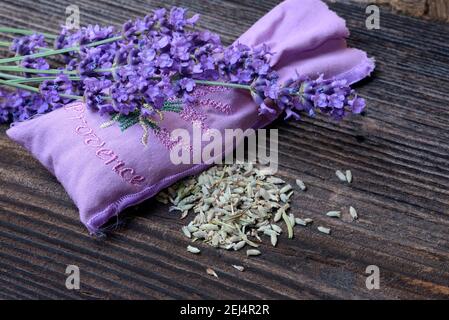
x,y
105,170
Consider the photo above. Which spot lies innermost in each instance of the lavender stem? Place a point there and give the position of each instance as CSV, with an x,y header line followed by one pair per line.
x,y
40,71
36,90
59,51
10,76
39,79
223,84
26,32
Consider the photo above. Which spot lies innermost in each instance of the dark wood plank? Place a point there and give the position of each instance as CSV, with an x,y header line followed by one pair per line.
x,y
397,151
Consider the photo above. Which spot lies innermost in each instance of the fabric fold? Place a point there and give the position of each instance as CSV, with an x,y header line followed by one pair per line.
x,y
308,38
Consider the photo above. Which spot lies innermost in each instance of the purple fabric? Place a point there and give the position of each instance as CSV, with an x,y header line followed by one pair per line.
x,y
105,170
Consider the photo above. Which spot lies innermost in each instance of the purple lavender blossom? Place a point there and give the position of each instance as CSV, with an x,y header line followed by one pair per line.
x,y
96,93
20,105
4,108
243,65
95,58
51,91
69,38
26,45
187,84
303,94
147,54
356,104
94,33
34,63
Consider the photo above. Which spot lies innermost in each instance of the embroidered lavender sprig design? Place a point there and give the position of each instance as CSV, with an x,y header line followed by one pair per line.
x,y
154,65
147,121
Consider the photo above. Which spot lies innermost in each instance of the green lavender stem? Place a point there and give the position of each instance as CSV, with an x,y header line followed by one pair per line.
x,y
39,71
10,76
223,84
36,90
26,32
59,51
203,82
105,70
19,82
48,71
19,86
69,96
4,44
56,71
38,79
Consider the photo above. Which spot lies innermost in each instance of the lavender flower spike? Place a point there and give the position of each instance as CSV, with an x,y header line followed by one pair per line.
x,y
163,57
332,97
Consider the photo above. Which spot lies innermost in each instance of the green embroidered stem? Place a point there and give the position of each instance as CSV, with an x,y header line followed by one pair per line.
x,y
60,51
109,123
172,109
26,32
126,121
172,106
145,135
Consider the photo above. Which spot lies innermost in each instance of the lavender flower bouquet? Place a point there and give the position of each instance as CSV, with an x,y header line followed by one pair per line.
x,y
119,89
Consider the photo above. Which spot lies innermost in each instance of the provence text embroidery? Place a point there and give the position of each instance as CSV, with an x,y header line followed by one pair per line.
x,y
103,153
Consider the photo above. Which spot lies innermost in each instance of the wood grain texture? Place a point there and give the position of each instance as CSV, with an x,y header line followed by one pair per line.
x,y
438,9
429,9
398,152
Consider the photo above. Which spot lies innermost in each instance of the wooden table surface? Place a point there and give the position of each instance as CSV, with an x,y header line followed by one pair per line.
x,y
398,153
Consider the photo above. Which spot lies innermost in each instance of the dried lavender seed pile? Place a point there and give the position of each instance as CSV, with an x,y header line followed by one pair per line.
x,y
235,206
